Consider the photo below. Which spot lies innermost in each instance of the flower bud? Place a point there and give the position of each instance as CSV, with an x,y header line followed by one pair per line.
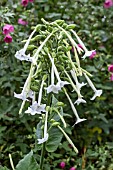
x,y
8,38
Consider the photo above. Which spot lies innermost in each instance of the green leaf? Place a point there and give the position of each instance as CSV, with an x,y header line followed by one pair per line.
x,y
3,168
55,137
27,163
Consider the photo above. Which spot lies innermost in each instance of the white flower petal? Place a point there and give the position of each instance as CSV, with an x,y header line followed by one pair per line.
x,y
97,94
78,121
35,108
62,83
22,56
88,54
53,88
40,141
79,100
21,96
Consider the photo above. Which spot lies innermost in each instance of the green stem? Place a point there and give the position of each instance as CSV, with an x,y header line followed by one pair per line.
x,y
42,156
43,145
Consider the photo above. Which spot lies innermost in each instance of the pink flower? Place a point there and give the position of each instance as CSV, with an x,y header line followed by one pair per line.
x,y
108,3
22,22
7,29
111,77
72,168
62,165
79,45
110,68
92,55
8,38
24,2
31,0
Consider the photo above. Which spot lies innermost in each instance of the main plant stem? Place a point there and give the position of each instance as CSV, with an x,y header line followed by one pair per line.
x,y
43,145
42,156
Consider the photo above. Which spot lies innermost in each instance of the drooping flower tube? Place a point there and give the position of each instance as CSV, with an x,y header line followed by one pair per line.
x,y
87,53
78,85
45,138
79,100
53,88
21,53
37,107
97,92
68,139
60,82
74,109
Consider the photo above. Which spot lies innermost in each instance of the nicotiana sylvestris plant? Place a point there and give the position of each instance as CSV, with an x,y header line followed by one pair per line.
x,y
53,68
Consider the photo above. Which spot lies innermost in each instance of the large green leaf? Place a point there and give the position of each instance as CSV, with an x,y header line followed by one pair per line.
x,y
55,137
27,163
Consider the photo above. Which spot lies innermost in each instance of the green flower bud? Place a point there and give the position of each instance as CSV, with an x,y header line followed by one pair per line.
x,y
60,104
55,124
34,88
31,47
71,26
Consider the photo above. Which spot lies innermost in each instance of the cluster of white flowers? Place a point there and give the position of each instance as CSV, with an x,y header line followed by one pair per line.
x,y
37,107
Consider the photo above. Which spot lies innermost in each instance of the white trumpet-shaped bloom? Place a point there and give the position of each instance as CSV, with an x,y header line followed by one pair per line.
x,y
45,138
78,85
40,141
97,93
79,100
53,88
35,108
87,53
74,109
21,96
60,82
24,95
21,53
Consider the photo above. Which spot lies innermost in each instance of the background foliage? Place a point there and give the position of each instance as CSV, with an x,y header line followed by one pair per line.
x,y
93,138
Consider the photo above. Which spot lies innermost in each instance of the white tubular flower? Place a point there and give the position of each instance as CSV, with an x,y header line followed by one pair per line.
x,y
97,92
74,110
36,109
79,100
21,96
45,138
40,141
53,88
21,53
78,85
60,82
24,95
87,53
31,94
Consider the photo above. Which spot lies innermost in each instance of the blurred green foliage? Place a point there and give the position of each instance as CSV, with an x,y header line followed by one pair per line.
x,y
93,138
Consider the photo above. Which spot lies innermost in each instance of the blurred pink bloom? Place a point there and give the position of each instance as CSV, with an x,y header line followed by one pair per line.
x,y
111,77
108,3
92,55
62,165
22,22
24,2
110,68
79,45
8,38
7,29
31,0
72,168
